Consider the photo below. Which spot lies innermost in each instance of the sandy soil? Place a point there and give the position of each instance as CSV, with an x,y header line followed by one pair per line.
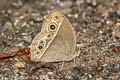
x,y
97,27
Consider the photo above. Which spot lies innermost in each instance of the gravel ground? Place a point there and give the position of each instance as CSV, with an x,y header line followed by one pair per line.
x,y
97,26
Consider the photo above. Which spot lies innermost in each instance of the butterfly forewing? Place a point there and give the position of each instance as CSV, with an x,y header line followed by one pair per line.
x,y
49,31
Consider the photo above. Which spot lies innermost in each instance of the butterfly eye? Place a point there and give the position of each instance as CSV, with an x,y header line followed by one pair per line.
x,y
52,27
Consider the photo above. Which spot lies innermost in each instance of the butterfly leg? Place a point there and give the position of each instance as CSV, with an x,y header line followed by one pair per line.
x,y
74,61
62,66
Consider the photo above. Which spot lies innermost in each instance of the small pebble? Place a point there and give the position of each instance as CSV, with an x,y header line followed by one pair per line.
x,y
19,64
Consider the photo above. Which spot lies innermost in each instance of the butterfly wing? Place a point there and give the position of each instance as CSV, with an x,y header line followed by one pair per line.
x,y
41,42
63,46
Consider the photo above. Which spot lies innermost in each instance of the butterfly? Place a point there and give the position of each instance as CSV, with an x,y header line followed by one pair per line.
x,y
56,41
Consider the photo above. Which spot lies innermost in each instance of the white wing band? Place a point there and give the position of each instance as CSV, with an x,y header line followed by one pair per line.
x,y
51,40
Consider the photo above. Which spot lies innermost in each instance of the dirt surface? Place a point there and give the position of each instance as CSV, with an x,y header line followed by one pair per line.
x,y
97,27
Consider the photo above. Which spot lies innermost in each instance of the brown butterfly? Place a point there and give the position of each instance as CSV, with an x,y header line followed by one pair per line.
x,y
56,41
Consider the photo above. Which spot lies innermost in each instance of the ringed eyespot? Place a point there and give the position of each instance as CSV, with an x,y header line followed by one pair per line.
x,y
49,35
52,27
37,52
40,47
41,44
56,17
